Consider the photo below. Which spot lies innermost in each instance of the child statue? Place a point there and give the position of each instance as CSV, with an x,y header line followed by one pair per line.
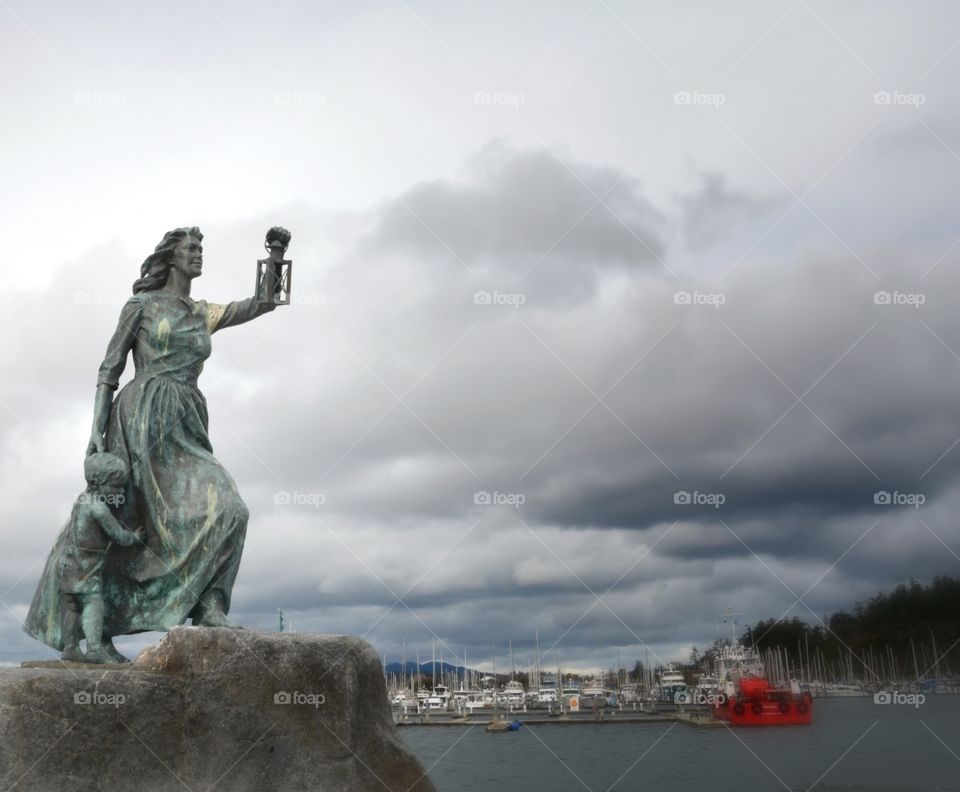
x,y
90,532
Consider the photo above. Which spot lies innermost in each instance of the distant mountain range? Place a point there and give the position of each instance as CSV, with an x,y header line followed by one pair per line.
x,y
427,668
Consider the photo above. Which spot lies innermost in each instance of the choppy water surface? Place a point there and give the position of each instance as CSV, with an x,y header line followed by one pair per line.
x,y
854,745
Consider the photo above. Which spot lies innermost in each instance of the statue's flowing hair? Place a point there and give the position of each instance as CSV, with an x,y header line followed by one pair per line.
x,y
156,266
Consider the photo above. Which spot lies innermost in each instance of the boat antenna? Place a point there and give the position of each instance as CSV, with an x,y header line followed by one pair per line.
x,y
731,617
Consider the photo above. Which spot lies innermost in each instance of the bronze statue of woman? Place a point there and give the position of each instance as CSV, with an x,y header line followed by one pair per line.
x,y
193,518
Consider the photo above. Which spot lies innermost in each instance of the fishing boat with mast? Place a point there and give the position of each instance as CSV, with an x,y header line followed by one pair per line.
x,y
749,698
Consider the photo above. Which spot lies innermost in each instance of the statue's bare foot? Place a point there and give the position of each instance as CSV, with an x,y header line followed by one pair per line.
x,y
98,655
73,654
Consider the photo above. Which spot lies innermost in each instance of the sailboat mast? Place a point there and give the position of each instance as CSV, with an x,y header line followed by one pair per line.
x,y
496,696
537,634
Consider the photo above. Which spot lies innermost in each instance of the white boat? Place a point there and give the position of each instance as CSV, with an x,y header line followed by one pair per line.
x,y
568,693
840,690
441,692
548,692
478,701
628,695
706,686
466,695
672,684
597,695
405,701
547,695
513,694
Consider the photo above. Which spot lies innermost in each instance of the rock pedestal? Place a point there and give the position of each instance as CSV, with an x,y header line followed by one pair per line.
x,y
207,709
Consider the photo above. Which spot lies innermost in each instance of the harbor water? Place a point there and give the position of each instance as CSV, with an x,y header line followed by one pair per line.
x,y
853,745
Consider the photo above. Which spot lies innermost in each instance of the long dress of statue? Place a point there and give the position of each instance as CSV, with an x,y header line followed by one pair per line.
x,y
193,518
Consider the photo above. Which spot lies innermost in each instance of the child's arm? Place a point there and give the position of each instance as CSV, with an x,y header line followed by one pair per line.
x,y
113,527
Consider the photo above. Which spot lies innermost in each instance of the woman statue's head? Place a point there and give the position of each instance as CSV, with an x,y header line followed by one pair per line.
x,y
180,249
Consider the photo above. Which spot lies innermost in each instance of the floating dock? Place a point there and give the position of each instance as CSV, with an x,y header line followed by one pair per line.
x,y
694,720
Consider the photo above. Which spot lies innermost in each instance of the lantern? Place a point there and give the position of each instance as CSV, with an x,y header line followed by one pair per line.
x,y
273,273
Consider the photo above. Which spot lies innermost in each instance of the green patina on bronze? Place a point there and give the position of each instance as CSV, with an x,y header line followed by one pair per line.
x,y
178,502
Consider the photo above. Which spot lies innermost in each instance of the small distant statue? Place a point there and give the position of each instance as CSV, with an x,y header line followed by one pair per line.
x,y
91,530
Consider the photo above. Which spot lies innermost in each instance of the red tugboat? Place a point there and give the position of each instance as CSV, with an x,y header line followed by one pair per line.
x,y
749,699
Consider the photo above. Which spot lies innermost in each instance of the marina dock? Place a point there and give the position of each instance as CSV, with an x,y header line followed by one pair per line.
x,y
696,720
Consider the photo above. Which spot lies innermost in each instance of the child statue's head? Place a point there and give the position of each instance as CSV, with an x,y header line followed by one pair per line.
x,y
105,473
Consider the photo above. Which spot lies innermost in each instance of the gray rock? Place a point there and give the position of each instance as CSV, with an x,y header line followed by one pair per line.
x,y
207,708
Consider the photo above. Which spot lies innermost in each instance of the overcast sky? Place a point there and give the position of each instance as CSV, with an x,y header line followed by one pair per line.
x,y
589,258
